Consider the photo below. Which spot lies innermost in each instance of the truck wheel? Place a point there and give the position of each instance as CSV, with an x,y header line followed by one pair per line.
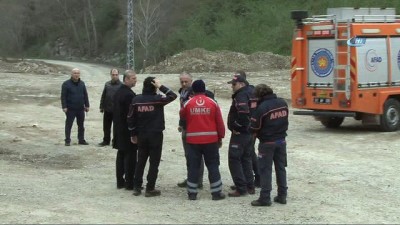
x,y
390,119
332,122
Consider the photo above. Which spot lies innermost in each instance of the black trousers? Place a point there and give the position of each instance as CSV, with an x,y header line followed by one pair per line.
x,y
149,147
211,158
240,161
268,153
125,167
185,148
107,122
80,119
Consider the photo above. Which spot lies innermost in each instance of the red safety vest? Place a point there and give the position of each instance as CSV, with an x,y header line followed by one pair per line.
x,y
204,123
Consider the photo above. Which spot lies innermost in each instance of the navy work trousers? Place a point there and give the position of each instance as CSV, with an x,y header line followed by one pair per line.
x,y
268,153
240,161
80,118
195,155
185,148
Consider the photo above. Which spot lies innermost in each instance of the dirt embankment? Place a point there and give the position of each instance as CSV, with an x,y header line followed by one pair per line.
x,y
203,61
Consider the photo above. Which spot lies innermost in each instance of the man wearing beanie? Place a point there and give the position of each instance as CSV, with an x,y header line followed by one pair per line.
x,y
146,123
204,132
186,92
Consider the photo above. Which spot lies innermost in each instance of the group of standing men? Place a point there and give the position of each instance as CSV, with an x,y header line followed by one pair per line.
x,y
138,124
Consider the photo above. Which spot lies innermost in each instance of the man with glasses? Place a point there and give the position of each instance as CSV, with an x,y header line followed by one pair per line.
x,y
106,105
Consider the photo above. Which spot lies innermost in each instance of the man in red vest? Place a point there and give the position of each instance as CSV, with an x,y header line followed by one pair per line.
x,y
204,132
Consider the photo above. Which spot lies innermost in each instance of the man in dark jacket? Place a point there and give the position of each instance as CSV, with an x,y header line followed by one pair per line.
x,y
252,107
270,123
74,102
146,122
127,151
106,105
240,151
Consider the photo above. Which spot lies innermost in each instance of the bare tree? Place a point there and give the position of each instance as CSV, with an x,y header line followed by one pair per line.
x,y
68,15
12,24
93,23
85,20
147,23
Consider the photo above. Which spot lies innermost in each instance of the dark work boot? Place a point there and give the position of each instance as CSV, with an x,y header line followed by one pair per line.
x,y
280,199
236,193
260,202
137,191
183,183
152,193
218,196
251,191
192,196
102,144
83,142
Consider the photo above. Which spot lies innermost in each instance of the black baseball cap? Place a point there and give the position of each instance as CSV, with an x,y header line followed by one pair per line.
x,y
237,78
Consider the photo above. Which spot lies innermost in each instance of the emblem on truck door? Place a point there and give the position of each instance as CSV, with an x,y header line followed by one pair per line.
x,y
322,62
372,60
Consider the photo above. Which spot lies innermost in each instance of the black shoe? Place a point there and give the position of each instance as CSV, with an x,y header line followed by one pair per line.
x,y
182,184
280,199
152,193
218,196
137,191
192,196
67,143
258,202
102,144
120,185
232,187
83,143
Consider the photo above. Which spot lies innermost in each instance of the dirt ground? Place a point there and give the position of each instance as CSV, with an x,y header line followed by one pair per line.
x,y
347,175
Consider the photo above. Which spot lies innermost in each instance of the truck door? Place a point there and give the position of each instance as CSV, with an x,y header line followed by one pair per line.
x,y
321,58
395,59
372,63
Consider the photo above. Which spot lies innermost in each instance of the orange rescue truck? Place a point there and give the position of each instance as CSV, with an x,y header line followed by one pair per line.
x,y
347,64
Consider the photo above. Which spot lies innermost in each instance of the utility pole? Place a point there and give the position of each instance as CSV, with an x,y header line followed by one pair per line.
x,y
130,57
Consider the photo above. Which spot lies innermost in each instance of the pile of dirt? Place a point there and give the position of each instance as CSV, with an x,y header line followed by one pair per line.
x,y
30,66
200,60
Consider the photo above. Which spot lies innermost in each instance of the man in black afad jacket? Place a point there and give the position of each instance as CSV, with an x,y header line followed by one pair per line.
x,y
240,150
146,123
252,107
127,151
106,105
270,123
74,102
